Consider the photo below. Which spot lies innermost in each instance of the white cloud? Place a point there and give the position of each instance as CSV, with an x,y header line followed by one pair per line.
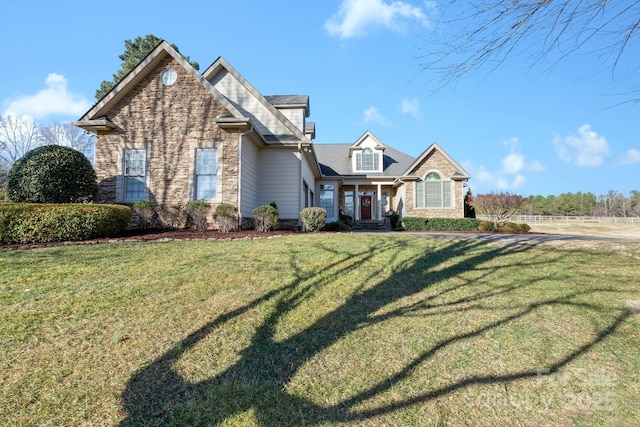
x,y
512,173
513,163
630,157
372,116
586,148
55,98
410,107
356,17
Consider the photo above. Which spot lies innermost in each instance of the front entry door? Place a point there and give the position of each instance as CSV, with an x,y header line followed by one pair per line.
x,y
365,207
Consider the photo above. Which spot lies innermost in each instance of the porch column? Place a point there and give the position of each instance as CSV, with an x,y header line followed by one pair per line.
x,y
379,197
356,207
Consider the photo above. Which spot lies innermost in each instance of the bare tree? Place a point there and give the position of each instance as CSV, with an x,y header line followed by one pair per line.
x,y
481,33
498,206
18,134
68,135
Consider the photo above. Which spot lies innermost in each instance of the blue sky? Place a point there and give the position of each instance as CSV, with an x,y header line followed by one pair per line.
x,y
526,128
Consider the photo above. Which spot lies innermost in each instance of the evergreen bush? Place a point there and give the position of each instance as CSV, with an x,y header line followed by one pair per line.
x,y
146,212
170,217
227,218
266,218
440,224
197,214
313,218
52,174
37,223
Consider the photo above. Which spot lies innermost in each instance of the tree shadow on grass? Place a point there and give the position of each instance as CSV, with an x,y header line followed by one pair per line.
x,y
159,395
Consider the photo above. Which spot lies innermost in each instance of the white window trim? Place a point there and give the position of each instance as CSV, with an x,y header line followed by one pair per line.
x,y
378,166
123,190
424,192
193,166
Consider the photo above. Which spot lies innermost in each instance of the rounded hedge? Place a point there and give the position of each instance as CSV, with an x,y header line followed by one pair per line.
x,y
52,174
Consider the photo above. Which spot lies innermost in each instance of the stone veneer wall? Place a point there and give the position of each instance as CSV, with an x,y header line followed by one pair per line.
x,y
170,123
436,162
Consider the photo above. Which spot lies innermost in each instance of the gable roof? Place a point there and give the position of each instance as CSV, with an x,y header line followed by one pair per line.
x,y
274,125
367,135
335,160
460,173
100,110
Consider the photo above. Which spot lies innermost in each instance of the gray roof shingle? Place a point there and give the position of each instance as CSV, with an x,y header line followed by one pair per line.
x,y
335,161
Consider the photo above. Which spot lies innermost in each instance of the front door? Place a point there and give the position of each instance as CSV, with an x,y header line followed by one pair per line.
x,y
365,207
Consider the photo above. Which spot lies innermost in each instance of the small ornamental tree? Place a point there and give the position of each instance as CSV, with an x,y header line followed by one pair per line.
x,y
52,174
498,206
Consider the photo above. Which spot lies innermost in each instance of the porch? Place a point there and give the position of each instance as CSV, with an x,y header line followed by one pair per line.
x,y
371,225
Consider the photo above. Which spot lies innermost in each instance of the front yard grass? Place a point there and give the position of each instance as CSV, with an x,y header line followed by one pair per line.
x,y
346,329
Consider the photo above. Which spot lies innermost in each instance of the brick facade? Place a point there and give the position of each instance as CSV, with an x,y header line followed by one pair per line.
x,y
170,123
435,162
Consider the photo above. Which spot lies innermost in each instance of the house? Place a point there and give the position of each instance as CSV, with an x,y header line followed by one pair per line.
x,y
170,135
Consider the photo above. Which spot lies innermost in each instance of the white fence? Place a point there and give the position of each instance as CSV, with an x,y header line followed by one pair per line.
x,y
571,219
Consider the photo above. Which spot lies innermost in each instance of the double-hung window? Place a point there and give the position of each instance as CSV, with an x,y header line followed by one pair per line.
x,y
134,175
326,199
433,192
206,173
367,160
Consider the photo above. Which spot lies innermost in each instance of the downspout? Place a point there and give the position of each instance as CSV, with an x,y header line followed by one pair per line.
x,y
240,173
300,185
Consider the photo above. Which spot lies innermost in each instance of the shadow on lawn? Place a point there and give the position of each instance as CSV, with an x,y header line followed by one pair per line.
x,y
158,395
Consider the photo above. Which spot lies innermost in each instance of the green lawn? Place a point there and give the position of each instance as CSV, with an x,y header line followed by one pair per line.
x,y
328,329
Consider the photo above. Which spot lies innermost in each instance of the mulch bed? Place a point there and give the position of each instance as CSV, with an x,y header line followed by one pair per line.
x,y
158,235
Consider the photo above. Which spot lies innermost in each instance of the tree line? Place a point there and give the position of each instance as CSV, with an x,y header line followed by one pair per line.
x,y
610,204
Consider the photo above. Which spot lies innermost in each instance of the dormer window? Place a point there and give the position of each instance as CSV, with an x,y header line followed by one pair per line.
x,y
367,160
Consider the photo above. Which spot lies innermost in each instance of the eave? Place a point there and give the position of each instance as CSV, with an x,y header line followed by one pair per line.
x,y
95,125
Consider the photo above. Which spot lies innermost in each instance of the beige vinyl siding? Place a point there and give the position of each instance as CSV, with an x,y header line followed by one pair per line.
x,y
249,186
279,180
248,104
295,116
309,178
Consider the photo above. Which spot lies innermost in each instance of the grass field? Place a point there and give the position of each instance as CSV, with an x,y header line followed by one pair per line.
x,y
346,329
586,228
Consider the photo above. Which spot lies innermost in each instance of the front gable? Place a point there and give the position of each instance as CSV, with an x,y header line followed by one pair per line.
x,y
98,118
435,159
269,121
367,154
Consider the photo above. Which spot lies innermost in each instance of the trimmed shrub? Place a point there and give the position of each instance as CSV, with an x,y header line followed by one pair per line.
x,y
266,218
440,224
227,218
346,219
197,213
336,226
146,212
52,174
503,227
38,223
313,218
512,227
486,226
394,220
170,217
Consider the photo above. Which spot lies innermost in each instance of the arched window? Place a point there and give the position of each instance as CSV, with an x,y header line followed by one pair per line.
x,y
367,160
433,192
